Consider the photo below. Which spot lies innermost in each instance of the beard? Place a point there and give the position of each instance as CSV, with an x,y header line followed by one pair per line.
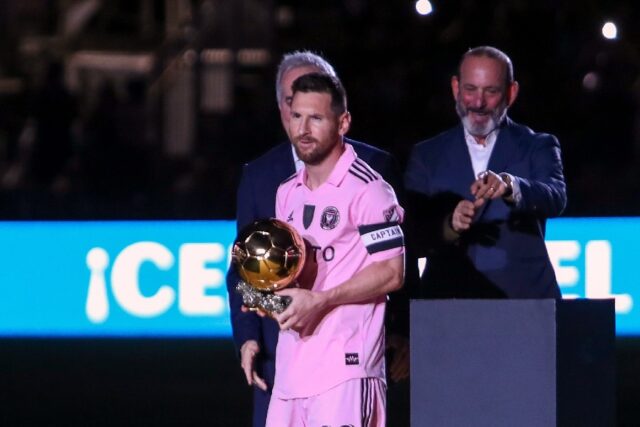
x,y
495,117
316,154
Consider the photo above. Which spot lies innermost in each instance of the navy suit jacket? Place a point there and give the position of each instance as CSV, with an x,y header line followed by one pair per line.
x,y
256,200
504,253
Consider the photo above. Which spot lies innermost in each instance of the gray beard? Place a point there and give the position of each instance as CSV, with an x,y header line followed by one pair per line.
x,y
495,119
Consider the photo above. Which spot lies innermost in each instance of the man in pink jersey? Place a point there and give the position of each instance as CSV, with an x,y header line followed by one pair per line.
x,y
330,353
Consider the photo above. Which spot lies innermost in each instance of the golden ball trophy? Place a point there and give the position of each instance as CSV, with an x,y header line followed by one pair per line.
x,y
268,255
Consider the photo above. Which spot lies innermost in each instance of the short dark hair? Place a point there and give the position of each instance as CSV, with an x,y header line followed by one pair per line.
x,y
323,83
493,53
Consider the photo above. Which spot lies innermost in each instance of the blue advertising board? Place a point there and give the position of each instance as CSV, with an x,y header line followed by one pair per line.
x,y
114,278
167,278
595,258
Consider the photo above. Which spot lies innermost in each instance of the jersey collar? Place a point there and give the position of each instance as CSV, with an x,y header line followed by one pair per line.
x,y
339,171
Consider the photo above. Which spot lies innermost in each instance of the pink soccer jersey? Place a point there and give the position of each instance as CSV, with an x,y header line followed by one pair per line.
x,y
351,221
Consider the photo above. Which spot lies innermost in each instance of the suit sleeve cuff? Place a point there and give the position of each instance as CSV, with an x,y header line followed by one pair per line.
x,y
516,194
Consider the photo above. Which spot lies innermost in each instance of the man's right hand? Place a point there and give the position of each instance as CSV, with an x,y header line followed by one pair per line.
x,y
248,353
463,214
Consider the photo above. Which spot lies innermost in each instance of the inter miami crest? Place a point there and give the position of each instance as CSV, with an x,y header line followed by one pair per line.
x,y
330,218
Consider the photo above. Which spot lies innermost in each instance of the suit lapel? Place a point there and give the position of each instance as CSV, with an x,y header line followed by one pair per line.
x,y
461,168
284,167
504,149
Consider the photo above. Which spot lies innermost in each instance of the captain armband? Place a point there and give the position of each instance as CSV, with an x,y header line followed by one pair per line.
x,y
382,236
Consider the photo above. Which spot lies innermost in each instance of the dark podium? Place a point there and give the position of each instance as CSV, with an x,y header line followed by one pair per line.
x,y
522,363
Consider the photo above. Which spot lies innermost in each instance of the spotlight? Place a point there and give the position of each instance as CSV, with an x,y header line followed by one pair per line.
x,y
424,7
610,31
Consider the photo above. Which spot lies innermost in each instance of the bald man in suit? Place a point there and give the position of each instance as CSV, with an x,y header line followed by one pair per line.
x,y
481,192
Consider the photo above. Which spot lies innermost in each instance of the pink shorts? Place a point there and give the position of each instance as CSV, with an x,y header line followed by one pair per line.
x,y
359,402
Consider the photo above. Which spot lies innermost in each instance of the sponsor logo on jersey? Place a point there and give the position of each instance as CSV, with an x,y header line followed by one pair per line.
x,y
328,253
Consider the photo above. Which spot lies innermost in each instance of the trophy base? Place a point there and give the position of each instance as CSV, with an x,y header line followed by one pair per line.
x,y
265,301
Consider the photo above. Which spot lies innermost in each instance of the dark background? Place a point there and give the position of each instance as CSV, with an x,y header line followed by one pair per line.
x,y
83,136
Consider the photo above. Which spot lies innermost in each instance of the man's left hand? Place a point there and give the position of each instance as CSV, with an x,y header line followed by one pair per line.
x,y
303,310
489,185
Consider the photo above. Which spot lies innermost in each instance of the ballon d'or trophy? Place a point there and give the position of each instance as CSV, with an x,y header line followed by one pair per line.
x,y
268,255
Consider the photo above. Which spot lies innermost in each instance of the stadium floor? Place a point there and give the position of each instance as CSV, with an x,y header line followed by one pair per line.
x,y
164,382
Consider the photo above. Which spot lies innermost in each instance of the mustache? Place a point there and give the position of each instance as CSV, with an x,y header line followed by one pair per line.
x,y
304,139
479,111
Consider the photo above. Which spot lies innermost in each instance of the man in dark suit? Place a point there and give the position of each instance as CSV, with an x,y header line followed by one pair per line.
x,y
482,191
256,337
